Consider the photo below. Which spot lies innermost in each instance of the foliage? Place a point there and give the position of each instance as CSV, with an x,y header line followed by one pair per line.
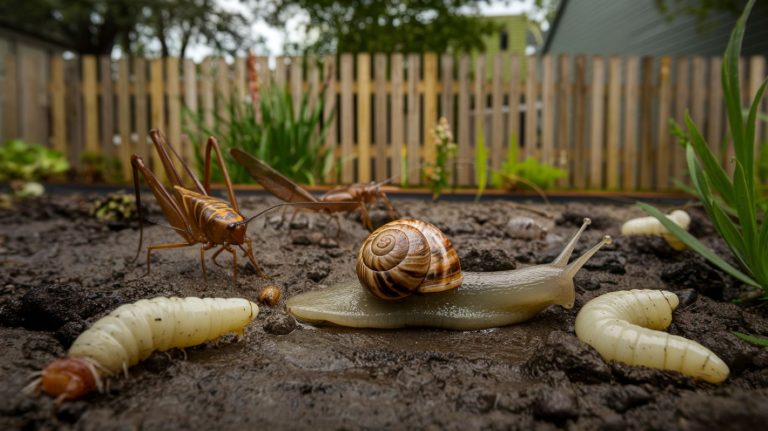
x,y
23,164
437,173
730,202
97,167
387,25
23,161
530,172
96,26
292,142
114,207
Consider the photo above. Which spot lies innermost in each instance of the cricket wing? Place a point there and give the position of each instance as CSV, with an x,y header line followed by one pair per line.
x,y
275,182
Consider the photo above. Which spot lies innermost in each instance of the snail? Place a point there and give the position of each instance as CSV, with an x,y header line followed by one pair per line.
x,y
651,226
447,298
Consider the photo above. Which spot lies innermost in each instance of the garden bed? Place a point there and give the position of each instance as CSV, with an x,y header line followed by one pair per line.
x,y
61,269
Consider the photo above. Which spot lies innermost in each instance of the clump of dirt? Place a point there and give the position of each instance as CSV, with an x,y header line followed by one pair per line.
x,y
62,270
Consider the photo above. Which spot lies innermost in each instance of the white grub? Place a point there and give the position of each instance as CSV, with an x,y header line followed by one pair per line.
x,y
132,332
651,226
522,227
626,326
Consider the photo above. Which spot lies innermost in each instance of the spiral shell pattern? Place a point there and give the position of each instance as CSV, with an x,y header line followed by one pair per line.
x,y
406,256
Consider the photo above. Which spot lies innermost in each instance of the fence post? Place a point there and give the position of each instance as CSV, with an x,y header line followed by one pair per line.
x,y
380,111
663,149
614,123
58,104
363,118
413,149
597,117
347,119
124,117
91,105
430,105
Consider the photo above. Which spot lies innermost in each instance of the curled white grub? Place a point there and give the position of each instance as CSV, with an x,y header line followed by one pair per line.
x,y
651,226
626,326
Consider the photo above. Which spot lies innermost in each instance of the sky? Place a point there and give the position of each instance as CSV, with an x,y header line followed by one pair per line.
x,y
276,38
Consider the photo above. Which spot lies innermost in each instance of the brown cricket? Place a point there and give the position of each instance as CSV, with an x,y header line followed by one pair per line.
x,y
194,214
348,198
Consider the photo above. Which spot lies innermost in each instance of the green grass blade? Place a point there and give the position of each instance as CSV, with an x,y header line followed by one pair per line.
x,y
749,161
730,80
696,245
481,164
757,341
712,167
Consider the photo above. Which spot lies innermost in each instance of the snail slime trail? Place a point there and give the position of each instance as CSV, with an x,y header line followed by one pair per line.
x,y
478,300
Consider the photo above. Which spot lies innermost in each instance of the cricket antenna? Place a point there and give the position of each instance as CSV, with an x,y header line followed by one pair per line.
x,y
296,204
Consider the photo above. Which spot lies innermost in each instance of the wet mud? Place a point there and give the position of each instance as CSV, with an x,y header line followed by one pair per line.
x,y
60,270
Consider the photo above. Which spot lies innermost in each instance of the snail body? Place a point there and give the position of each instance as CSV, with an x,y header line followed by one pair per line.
x,y
483,300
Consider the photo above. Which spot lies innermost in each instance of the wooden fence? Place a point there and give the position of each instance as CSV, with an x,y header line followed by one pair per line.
x,y
604,119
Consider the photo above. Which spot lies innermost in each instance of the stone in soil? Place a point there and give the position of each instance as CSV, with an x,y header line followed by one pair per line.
x,y
564,352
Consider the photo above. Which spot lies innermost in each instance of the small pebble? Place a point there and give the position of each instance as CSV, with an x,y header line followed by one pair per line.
x,y
556,404
279,324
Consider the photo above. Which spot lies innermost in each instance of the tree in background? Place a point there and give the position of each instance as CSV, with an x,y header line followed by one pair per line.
x,y
97,26
386,25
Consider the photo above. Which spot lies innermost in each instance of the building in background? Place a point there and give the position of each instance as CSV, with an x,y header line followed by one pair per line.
x,y
637,27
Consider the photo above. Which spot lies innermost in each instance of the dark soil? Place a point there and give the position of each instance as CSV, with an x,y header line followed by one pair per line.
x,y
62,270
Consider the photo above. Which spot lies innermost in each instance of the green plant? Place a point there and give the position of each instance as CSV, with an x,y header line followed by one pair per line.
x,y
97,167
22,163
730,202
481,163
292,142
530,172
436,174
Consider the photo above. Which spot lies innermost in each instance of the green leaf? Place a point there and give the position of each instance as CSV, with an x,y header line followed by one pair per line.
x,y
757,341
712,167
696,245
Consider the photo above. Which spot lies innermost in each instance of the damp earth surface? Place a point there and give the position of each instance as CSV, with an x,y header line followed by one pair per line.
x,y
61,269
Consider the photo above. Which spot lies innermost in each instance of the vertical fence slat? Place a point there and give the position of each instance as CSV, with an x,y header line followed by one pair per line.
x,y
446,95
157,107
682,84
380,111
107,107
190,103
564,112
465,151
632,94
10,94
74,111
173,91
398,120
663,150
363,118
480,100
124,116
330,114
646,124
715,110
296,83
240,84
597,130
579,178
58,105
497,101
412,150
206,88
34,96
548,110
531,97
264,76
140,106
313,80
347,119
513,117
91,105
223,93
279,78
698,90
430,105
614,123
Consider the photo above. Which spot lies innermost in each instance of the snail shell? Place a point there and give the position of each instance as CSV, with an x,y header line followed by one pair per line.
x,y
407,256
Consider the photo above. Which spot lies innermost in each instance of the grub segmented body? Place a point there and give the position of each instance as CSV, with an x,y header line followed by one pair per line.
x,y
651,226
132,332
626,326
